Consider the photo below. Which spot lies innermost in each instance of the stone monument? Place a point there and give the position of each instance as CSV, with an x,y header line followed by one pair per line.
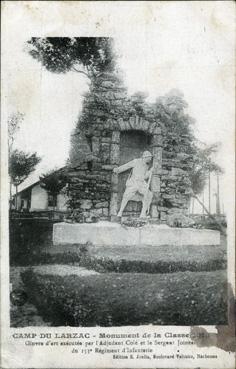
x,y
128,162
105,233
113,133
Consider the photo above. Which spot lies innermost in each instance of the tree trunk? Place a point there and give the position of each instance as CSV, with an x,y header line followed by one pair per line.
x,y
16,197
203,201
209,192
218,195
10,194
210,215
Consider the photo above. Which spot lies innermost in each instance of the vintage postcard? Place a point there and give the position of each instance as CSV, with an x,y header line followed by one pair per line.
x,y
117,184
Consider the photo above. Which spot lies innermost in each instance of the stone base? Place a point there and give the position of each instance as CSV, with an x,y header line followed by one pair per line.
x,y
114,234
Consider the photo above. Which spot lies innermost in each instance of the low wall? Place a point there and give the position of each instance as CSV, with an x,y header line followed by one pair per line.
x,y
114,234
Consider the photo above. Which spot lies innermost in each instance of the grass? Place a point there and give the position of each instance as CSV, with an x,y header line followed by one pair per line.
x,y
115,299
138,285
145,259
161,259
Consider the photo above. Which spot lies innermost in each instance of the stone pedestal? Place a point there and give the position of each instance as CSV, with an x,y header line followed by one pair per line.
x,y
114,234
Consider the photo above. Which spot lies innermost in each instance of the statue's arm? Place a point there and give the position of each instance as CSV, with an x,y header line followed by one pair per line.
x,y
124,167
149,173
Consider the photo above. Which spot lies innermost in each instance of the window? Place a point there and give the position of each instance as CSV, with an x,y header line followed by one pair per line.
x,y
52,200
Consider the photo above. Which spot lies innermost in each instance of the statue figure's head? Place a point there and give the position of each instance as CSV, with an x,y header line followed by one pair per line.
x,y
147,157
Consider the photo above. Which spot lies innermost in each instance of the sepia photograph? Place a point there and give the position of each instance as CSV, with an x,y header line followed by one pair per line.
x,y
132,229
120,156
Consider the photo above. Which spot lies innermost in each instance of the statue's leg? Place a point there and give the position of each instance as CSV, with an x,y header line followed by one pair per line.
x,y
128,194
147,199
150,196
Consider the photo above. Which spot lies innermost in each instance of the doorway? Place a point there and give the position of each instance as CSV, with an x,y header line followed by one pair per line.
x,y
132,145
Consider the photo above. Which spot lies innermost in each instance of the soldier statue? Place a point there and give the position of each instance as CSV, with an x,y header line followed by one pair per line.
x,y
138,182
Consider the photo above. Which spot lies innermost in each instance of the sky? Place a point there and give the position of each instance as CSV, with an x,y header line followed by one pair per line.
x,y
160,46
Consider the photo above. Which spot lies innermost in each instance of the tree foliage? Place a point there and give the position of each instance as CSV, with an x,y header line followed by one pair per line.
x,y
94,57
170,110
53,181
138,103
13,124
21,164
87,55
203,164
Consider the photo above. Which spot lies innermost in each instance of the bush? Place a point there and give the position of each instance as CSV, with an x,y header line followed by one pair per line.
x,y
27,238
129,299
104,265
161,259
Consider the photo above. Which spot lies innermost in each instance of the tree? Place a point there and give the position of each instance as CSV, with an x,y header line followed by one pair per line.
x,y
53,182
87,55
202,166
13,124
94,57
170,110
21,164
138,104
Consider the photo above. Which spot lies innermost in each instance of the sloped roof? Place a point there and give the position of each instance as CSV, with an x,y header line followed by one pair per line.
x,y
33,179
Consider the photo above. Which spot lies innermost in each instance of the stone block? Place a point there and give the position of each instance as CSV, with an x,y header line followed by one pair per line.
x,y
114,204
103,204
179,219
163,216
152,127
115,137
114,234
98,211
121,124
108,166
145,125
107,84
119,96
133,122
102,233
157,140
177,172
157,153
179,236
155,183
105,139
85,204
154,211
105,212
95,145
115,153
157,131
163,208
105,152
127,125
97,133
183,156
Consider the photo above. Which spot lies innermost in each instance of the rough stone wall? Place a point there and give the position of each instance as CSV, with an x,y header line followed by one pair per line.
x,y
175,183
90,157
90,182
95,152
89,192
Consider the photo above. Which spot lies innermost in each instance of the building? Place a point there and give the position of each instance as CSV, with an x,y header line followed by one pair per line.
x,y
34,198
